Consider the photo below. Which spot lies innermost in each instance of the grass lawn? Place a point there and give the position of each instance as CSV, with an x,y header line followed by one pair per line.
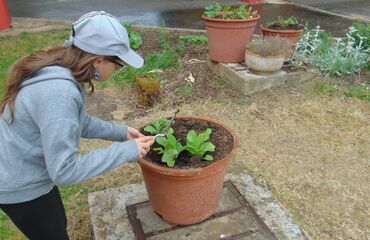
x,y
311,147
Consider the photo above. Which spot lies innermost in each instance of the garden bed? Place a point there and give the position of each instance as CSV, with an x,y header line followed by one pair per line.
x,y
309,145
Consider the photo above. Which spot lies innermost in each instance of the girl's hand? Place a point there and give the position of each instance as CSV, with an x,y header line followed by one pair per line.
x,y
133,133
144,144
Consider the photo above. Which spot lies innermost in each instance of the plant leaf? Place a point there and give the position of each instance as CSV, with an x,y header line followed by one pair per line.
x,y
191,136
169,157
208,158
150,129
209,147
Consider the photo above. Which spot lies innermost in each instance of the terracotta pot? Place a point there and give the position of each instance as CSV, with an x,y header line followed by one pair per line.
x,y
186,196
227,38
292,35
263,64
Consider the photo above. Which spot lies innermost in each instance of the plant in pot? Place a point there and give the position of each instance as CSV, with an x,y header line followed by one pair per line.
x,y
184,171
229,29
289,28
267,55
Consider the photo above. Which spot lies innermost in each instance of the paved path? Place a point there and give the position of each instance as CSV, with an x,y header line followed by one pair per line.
x,y
354,9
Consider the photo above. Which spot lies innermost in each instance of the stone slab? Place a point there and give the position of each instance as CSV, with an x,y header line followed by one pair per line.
x,y
110,219
242,79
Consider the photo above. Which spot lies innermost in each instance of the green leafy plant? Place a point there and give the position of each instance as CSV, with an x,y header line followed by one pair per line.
x,y
332,57
199,144
194,39
170,149
196,145
283,23
215,10
269,46
361,35
190,41
135,38
163,36
157,126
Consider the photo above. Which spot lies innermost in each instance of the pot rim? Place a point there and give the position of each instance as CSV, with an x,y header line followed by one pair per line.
x,y
231,20
190,172
264,28
249,52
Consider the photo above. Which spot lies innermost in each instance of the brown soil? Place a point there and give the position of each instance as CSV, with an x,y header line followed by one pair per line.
x,y
221,138
290,27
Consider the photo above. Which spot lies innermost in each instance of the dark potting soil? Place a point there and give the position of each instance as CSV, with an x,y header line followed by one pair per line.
x,y
221,138
290,27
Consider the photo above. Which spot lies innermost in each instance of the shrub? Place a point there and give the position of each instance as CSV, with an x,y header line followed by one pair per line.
x,y
215,10
332,57
269,46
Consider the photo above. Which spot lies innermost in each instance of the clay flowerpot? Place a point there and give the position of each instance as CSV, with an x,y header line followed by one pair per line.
x,y
227,38
263,64
187,196
292,35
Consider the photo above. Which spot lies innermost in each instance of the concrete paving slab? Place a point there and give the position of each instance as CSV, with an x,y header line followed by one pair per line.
x,y
242,79
110,219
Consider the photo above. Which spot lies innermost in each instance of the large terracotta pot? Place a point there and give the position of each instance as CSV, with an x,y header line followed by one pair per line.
x,y
227,38
186,196
263,64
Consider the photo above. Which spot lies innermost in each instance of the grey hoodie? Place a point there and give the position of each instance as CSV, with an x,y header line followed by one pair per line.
x,y
40,148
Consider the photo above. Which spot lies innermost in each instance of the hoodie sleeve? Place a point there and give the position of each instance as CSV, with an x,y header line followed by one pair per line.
x,y
97,128
66,166
58,120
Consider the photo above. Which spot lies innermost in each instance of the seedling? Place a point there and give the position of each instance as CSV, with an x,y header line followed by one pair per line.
x,y
171,148
157,126
284,23
199,144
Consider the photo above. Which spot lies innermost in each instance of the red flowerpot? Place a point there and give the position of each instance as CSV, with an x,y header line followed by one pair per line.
x,y
4,16
227,38
186,196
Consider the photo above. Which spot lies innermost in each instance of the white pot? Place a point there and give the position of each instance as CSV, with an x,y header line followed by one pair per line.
x,y
263,64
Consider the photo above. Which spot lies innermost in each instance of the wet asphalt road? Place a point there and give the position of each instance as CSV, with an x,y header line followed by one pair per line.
x,y
179,14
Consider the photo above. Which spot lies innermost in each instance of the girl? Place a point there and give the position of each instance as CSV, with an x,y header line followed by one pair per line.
x,y
43,117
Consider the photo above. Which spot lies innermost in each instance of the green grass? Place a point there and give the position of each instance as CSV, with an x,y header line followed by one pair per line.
x,y
332,88
361,91
4,230
327,88
154,63
185,90
13,48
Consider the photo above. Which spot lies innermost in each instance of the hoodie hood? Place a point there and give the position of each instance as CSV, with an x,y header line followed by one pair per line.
x,y
52,73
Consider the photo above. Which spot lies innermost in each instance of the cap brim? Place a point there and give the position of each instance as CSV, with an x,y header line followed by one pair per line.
x,y
132,58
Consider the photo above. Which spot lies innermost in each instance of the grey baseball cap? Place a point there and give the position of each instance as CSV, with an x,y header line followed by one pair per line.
x,y
102,34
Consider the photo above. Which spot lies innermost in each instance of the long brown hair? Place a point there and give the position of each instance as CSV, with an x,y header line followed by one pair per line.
x,y
78,61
